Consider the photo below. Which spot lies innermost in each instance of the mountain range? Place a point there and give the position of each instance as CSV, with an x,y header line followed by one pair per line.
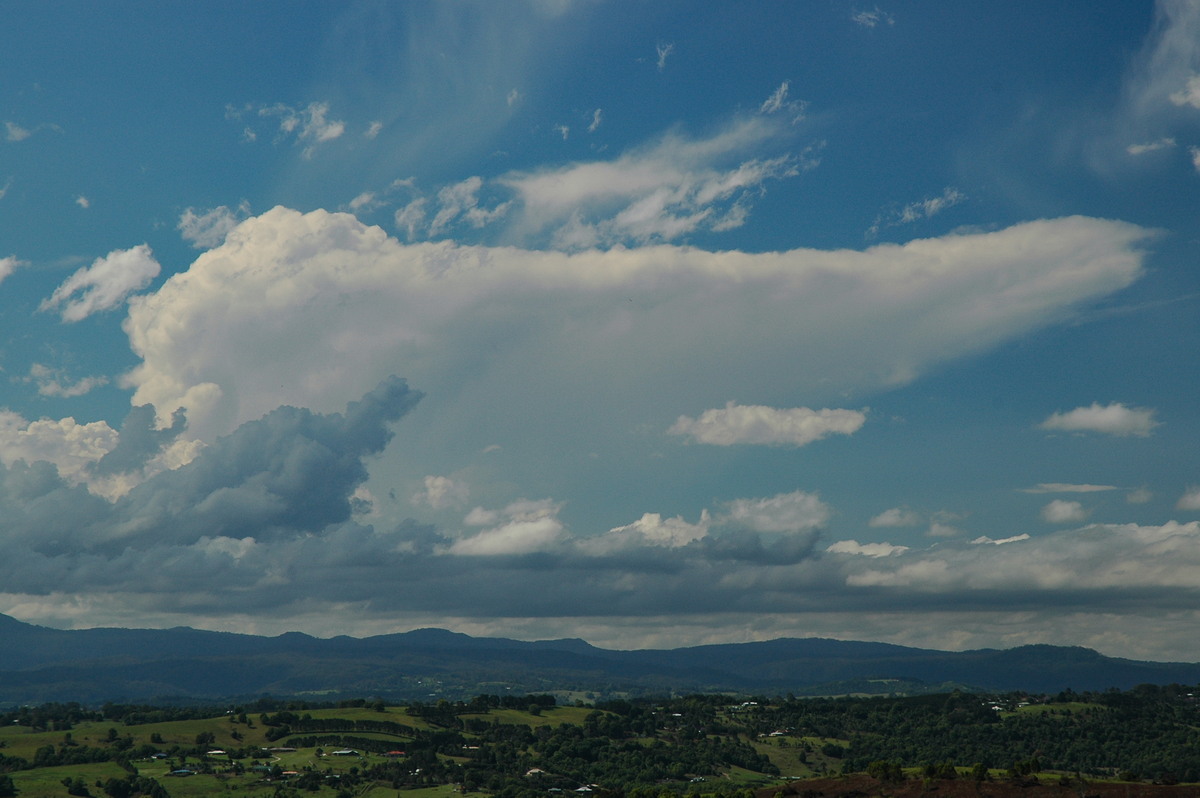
x,y
40,664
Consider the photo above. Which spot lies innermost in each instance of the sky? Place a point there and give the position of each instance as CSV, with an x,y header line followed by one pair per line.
x,y
653,324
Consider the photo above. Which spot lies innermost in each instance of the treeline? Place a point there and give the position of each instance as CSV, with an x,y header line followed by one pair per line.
x,y
1150,732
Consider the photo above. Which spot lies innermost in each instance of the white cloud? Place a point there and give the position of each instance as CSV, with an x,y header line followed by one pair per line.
x,y
865,549
1190,94
527,527
83,202
442,492
671,189
14,132
649,530
54,382
1152,146
1101,559
9,265
755,424
662,51
776,528
983,540
1195,153
941,529
70,446
513,97
1061,511
104,285
411,218
617,335
776,100
873,17
916,211
1112,419
1139,496
207,229
896,517
1190,500
373,130
1066,487
1162,86
787,512
363,200
309,125
597,117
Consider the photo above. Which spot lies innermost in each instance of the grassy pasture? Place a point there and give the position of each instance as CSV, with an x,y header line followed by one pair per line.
x,y
551,716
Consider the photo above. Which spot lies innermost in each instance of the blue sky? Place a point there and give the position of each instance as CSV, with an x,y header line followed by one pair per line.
x,y
652,324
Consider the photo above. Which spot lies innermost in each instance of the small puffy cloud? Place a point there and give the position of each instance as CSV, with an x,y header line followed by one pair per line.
x,y
651,530
83,202
563,130
755,424
104,285
1195,153
373,130
9,265
513,97
865,549
1112,419
776,529
896,517
942,529
786,512
1189,95
523,527
1061,511
54,382
14,132
1190,500
1139,496
441,492
207,229
1152,146
597,117
872,18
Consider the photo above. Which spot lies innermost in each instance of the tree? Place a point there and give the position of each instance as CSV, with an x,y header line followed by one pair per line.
x,y
7,788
